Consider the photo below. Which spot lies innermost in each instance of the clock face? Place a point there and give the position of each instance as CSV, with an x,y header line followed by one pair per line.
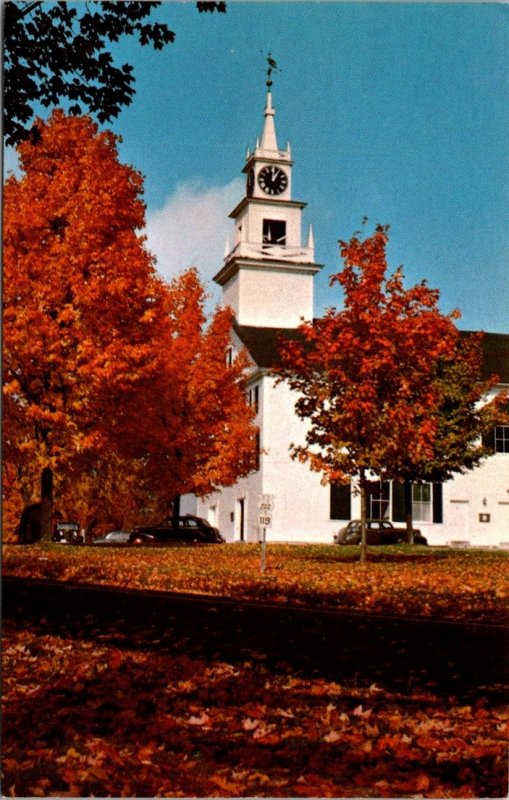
x,y
272,179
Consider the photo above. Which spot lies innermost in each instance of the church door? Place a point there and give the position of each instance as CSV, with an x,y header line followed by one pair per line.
x,y
241,519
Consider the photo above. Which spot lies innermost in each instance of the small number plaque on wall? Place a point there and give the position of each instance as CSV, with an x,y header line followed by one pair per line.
x,y
484,517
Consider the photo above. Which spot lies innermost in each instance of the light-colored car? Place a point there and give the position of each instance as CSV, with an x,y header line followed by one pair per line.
x,y
113,537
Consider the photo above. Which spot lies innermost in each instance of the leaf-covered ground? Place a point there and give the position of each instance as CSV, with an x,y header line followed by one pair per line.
x,y
431,582
96,708
87,717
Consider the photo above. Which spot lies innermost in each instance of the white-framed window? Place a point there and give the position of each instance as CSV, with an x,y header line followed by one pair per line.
x,y
253,398
427,502
257,453
501,438
379,495
422,506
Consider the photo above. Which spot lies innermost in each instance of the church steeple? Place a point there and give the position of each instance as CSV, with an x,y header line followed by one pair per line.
x,y
266,147
267,277
268,161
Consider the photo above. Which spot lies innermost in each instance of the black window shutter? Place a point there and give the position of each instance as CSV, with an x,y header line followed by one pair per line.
x,y
398,502
340,501
488,439
438,514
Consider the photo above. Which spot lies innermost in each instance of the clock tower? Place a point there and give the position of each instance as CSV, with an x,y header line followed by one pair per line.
x,y
267,278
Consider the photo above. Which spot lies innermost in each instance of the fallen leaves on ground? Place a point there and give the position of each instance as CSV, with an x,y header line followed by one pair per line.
x,y
430,582
88,719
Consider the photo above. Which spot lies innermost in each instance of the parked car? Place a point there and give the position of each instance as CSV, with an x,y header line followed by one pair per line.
x,y
113,537
67,533
378,531
191,530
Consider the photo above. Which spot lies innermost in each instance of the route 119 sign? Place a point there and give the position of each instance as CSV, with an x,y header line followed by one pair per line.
x,y
266,505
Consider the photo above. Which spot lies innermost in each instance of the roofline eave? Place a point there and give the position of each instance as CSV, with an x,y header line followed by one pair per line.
x,y
233,266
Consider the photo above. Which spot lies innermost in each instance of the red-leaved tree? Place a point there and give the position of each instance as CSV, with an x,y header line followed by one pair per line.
x,y
195,433
83,306
375,380
113,382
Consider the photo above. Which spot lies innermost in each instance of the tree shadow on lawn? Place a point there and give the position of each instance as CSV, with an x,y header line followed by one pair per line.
x,y
395,653
98,720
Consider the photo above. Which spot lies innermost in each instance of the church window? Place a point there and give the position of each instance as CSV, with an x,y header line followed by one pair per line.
x,y
427,502
253,398
274,231
502,439
378,499
229,357
257,451
421,502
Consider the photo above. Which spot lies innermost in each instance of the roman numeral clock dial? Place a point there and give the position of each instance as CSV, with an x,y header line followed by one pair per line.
x,y
272,180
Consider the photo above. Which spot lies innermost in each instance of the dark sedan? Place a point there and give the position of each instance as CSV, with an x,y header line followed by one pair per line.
x,y
191,530
378,531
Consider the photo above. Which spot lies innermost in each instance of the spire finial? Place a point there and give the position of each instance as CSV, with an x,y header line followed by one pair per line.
x,y
271,66
269,140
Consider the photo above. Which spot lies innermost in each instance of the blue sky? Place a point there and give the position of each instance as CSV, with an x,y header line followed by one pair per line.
x,y
395,111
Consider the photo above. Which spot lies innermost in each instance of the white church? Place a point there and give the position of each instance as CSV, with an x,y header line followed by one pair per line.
x,y
267,279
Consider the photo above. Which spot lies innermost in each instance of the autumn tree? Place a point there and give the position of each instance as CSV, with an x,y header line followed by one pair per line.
x,y
377,380
114,381
83,308
196,431
463,417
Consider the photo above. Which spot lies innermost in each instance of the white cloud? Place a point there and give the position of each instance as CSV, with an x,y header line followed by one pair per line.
x,y
191,229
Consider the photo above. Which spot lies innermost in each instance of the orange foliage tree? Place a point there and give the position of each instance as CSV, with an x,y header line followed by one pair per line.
x,y
379,381
112,380
196,432
83,307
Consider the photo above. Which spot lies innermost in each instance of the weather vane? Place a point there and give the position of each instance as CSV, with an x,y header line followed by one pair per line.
x,y
272,65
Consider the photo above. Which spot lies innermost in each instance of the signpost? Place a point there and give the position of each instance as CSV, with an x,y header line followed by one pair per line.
x,y
266,506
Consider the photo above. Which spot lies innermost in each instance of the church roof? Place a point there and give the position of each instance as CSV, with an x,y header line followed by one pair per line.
x,y
496,355
263,346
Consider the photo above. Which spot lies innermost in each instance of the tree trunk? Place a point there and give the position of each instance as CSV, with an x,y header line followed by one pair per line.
x,y
408,511
46,503
364,541
175,516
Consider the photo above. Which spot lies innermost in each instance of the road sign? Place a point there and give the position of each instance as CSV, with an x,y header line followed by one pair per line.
x,y
266,502
266,506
